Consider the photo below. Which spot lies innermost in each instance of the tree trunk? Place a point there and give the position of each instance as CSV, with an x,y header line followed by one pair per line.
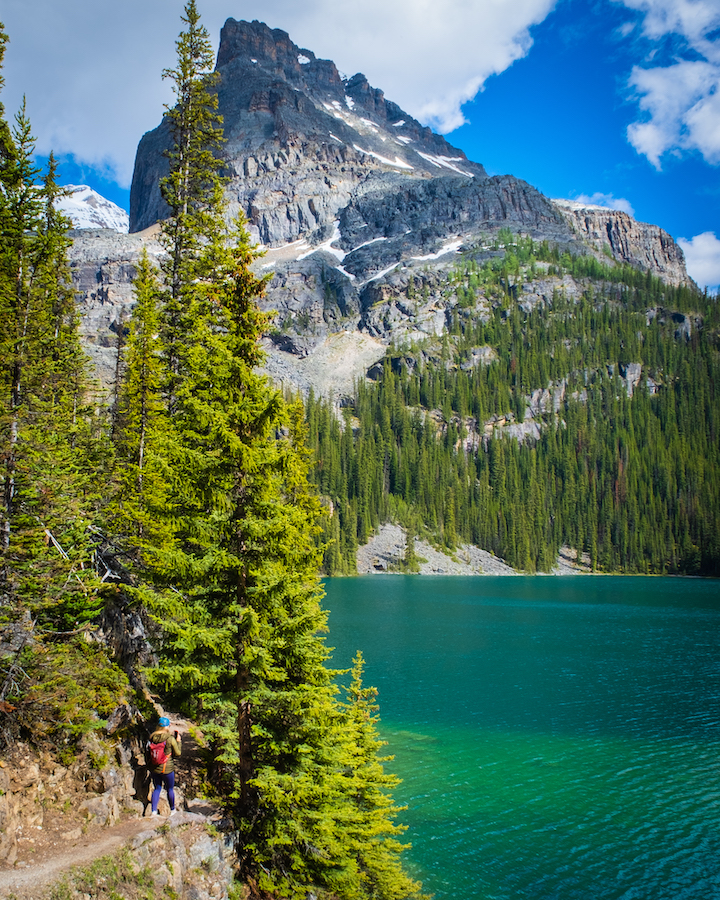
x,y
248,799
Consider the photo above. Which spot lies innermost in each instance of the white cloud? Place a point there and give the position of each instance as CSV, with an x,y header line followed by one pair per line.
x,y
681,101
702,257
625,29
606,200
693,19
91,68
91,74
429,56
684,109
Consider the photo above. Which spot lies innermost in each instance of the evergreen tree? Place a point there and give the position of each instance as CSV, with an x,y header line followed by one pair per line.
x,y
369,822
410,561
632,482
213,468
7,147
143,433
194,233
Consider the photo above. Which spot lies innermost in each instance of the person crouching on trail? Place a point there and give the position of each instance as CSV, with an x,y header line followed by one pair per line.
x,y
162,751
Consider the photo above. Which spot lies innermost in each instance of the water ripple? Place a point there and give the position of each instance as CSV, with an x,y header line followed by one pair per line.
x,y
569,751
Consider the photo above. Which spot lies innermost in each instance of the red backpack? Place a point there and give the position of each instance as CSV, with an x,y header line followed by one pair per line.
x,y
158,756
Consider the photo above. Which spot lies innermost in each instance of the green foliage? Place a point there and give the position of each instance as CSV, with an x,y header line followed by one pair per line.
x,y
51,451
142,431
371,819
411,563
71,689
194,234
336,798
53,461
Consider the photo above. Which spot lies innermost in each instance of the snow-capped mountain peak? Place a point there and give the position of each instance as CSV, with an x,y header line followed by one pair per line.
x,y
87,209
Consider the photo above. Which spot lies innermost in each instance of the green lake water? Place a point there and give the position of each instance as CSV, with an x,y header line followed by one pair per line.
x,y
558,738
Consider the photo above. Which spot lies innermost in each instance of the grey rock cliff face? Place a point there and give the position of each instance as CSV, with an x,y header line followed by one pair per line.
x,y
103,264
308,152
642,245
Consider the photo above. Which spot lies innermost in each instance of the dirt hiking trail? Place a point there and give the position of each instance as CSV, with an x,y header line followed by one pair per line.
x,y
66,840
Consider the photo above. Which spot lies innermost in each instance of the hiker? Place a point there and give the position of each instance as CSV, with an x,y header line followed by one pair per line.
x,y
162,751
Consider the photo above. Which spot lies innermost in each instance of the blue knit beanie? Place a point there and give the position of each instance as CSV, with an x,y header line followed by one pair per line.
x,y
164,721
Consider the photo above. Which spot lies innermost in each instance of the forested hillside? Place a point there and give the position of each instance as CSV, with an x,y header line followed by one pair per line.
x,y
589,417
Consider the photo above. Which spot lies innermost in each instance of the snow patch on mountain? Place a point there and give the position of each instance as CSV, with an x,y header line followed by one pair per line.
x,y
328,245
445,162
87,209
397,163
452,247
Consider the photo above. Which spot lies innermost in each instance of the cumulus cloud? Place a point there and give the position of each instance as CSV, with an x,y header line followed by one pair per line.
x,y
684,107
702,258
681,101
91,68
693,19
91,74
606,200
431,56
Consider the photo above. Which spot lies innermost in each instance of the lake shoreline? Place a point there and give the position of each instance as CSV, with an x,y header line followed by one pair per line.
x,y
384,553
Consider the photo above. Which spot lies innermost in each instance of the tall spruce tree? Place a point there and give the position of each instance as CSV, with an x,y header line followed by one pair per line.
x,y
370,821
194,233
228,550
142,431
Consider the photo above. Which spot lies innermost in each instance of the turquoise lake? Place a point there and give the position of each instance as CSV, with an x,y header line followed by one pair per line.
x,y
558,738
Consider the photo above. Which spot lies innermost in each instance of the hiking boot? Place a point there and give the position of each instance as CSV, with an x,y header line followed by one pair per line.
x,y
154,813
172,812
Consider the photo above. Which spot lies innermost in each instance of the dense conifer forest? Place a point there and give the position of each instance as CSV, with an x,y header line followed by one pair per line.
x,y
627,472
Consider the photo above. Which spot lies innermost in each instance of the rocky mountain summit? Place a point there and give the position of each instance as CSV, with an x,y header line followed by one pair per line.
x,y
358,208
300,140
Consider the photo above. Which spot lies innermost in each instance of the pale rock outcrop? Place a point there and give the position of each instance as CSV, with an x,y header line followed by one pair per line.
x,y
643,246
103,264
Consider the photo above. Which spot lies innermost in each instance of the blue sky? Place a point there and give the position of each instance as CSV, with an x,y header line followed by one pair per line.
x,y
564,111
617,103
